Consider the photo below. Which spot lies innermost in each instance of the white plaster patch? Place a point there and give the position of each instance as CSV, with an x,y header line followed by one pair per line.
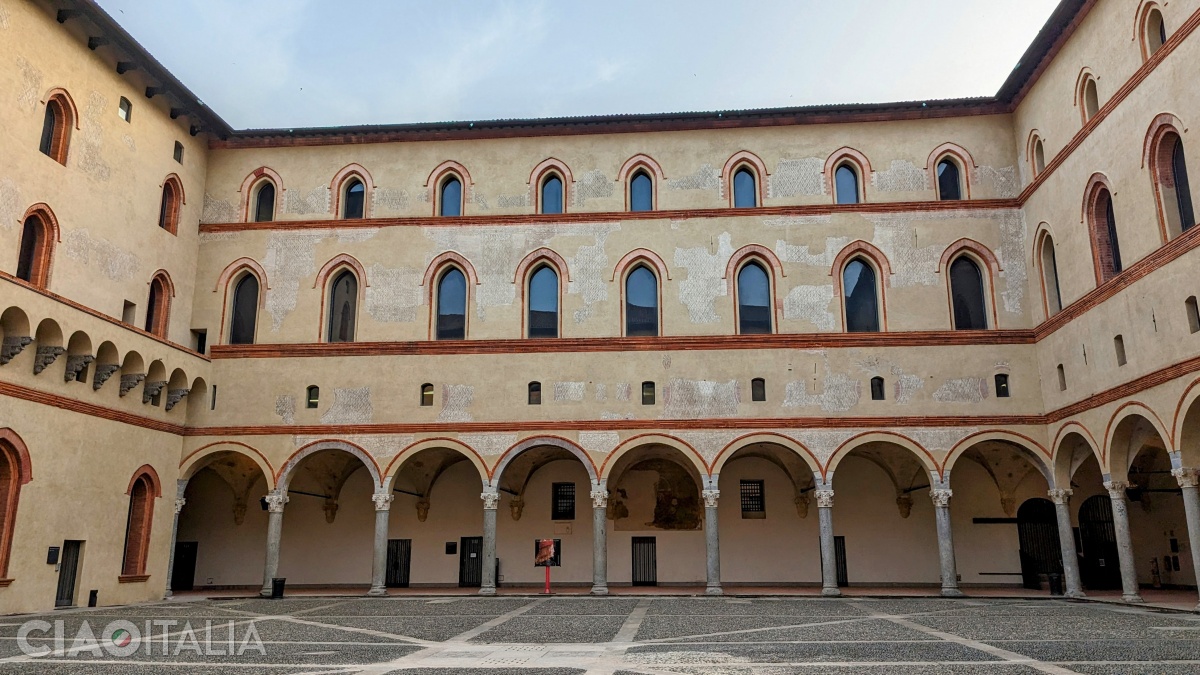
x,y
591,185
208,237
797,177
704,282
1003,182
289,260
811,304
699,399
569,391
456,403
3,18
315,201
938,440
489,444
478,199
962,390
31,85
822,442
588,268
599,441
901,176
92,163
218,210
350,406
10,203
804,255
624,391
841,393
606,415
601,391
285,408
911,265
389,202
129,142
705,178
708,443
1013,234
514,201
394,294
114,263
907,385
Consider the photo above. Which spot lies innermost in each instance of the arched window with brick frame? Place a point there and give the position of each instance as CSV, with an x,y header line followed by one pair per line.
x,y
1051,292
170,204
343,307
243,315
15,471
451,304
1168,170
1102,226
1087,95
264,201
143,489
1151,29
39,233
158,304
59,119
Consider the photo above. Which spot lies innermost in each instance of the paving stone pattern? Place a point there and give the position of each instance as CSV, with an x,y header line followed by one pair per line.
x,y
632,636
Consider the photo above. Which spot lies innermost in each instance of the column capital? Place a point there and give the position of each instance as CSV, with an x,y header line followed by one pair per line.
x,y
1186,477
824,499
383,501
710,498
490,500
179,502
276,502
599,498
941,497
1059,496
1116,488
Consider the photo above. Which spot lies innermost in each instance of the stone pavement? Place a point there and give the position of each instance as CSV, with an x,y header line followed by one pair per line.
x,y
649,635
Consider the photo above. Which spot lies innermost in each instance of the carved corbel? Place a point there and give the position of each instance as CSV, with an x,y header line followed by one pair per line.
x,y
802,503
46,356
103,372
76,364
331,509
152,389
239,510
422,509
128,382
516,506
174,396
13,346
904,503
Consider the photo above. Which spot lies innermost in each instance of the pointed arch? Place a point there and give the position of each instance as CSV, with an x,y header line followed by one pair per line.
x,y
432,281
1085,87
634,442
540,255
234,268
61,118
15,471
745,158
762,253
284,477
196,460
230,279
171,207
338,184
957,154
857,160
1142,28
766,260
989,268
1104,238
449,257
799,449
918,451
1163,152
1035,153
250,186
526,270
640,163
640,255
339,261
627,266
143,489
60,94
543,170
158,305
37,255
865,249
435,179
555,441
332,270
1045,261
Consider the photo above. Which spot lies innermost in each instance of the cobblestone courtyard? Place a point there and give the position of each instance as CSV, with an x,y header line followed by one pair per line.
x,y
627,635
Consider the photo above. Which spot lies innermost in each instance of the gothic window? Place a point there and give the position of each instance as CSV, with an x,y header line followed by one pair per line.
x,y
450,199
745,188
168,210
343,308
967,295
543,303
33,261
846,184
452,305
1089,99
754,300
552,194
1170,174
137,528
354,199
1039,157
861,297
245,311
56,129
1155,32
641,192
1104,233
264,202
1050,276
949,180
10,491
158,307
641,303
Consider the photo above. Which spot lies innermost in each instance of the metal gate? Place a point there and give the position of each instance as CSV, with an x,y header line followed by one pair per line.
x,y
1037,532
470,562
399,560
68,572
1100,566
645,561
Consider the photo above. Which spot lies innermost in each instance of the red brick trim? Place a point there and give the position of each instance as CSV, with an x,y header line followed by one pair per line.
x,y
1031,143
746,440
497,471
152,478
446,442
233,272
540,254
745,158
1081,81
141,521
250,186
650,166
1097,223
1140,27
1181,415
14,453
641,255
48,235
774,269
1158,157
339,262
1135,409
531,263
132,578
545,168
433,183
1042,237
634,442
189,466
923,456
966,164
1013,437
10,439
983,253
433,274
161,289
867,250
1075,427
58,93
173,199
857,161
338,184
284,477
449,257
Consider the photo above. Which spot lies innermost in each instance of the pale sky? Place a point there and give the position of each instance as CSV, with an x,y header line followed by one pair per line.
x,y
296,63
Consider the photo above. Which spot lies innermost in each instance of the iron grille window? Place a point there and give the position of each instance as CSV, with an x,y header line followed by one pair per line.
x,y
563,501
753,503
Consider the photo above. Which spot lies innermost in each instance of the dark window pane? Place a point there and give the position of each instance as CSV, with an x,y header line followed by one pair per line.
x,y
245,311
758,389
641,193
535,393
754,300
647,393
153,305
966,290
343,301
355,200
552,195
949,183
313,396
164,207
862,303
29,248
562,501
1002,386
1183,190
877,391
846,187
543,303
264,204
451,199
745,192
452,306
641,303
48,123
1111,217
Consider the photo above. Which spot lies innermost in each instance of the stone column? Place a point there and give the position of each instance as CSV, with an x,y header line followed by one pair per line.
x,y
181,486
600,539
941,508
1120,508
1188,480
829,585
383,508
491,499
712,541
275,503
1066,543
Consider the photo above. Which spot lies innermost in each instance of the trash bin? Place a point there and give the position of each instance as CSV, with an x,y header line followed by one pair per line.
x,y
277,587
1056,583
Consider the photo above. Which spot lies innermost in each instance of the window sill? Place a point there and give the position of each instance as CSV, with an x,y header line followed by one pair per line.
x,y
133,578
4,583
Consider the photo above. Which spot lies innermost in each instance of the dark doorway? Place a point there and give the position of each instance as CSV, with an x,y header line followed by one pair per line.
x,y
1100,566
399,560
470,562
839,552
645,561
68,572
1037,532
183,572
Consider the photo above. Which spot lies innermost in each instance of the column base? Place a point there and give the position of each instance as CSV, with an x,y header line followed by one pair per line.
x,y
377,591
831,592
487,590
1077,595
714,590
952,593
167,594
264,593
1132,598
599,590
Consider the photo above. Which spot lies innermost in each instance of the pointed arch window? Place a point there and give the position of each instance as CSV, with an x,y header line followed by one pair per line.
x,y
137,526
1170,175
641,303
452,305
354,199
1105,243
641,192
1089,98
753,300
861,297
552,194
33,261
13,473
949,180
158,307
245,311
1050,277
745,188
1039,156
264,202
56,128
168,209
1154,32
967,295
450,197
343,308
846,186
542,321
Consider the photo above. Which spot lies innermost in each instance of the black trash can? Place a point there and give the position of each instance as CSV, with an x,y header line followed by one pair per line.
x,y
277,587
1056,583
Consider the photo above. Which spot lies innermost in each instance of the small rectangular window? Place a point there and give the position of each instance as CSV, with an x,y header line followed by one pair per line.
x,y
426,395
753,503
562,503
200,339
125,109
1001,385
647,393
1062,378
535,393
313,396
877,389
212,404
1193,314
178,154
129,313
758,389
1119,346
